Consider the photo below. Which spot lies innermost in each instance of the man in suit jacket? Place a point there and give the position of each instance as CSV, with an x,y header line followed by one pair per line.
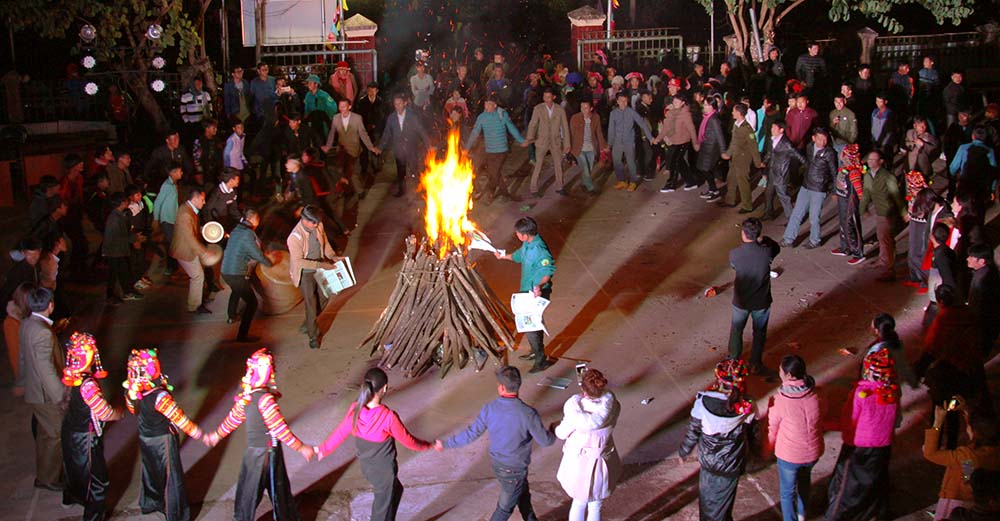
x,y
782,159
349,130
549,130
371,107
41,363
404,132
309,250
187,248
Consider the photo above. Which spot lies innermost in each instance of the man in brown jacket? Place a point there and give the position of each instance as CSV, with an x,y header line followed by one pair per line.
x,y
349,130
188,249
309,250
41,362
549,130
587,140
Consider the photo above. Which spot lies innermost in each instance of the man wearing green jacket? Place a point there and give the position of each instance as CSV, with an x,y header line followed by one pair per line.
x,y
742,155
843,124
882,191
494,124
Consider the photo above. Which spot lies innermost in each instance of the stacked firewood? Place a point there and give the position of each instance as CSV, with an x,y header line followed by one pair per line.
x,y
440,311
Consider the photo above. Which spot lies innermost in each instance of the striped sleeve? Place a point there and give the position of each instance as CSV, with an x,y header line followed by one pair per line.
x,y
94,398
233,420
166,406
276,422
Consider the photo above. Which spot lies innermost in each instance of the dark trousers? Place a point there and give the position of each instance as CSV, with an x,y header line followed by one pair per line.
x,y
118,275
47,430
387,490
241,290
514,492
916,251
349,169
167,229
851,240
677,162
779,191
73,225
312,300
646,160
760,318
86,473
536,338
263,469
495,185
716,496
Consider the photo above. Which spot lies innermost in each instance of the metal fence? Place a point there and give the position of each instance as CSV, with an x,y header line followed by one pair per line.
x,y
950,51
633,49
305,59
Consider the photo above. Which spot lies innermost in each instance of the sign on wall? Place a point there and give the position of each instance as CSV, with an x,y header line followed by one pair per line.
x,y
289,22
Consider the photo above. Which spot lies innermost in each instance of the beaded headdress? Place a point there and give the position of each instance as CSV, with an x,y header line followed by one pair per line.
x,y
82,358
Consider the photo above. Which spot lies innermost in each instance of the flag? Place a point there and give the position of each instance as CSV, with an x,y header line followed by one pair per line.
x,y
615,3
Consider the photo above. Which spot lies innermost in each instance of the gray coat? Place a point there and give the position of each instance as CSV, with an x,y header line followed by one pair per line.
x,y
621,127
40,359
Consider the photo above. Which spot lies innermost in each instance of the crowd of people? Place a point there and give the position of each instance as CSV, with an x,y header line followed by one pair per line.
x,y
318,149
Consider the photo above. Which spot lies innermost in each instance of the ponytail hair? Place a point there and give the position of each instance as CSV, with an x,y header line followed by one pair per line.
x,y
375,379
886,327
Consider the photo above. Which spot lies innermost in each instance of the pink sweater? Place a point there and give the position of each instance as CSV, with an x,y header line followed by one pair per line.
x,y
374,425
793,422
866,422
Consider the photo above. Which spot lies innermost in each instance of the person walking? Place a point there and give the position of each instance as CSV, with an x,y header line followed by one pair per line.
x,y
711,144
881,190
820,170
549,131
263,465
87,479
149,397
239,261
349,131
590,466
165,213
537,269
751,291
404,133
795,435
678,134
40,360
309,250
742,155
859,489
512,425
622,125
375,429
188,249
117,250
984,294
782,159
587,137
848,186
494,125
721,421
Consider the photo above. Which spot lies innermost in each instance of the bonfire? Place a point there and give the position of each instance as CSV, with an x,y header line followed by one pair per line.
x,y
441,310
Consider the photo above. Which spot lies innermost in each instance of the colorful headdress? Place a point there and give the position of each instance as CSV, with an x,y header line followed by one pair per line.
x,y
604,57
915,182
259,375
144,373
595,75
82,358
730,376
794,86
852,154
880,368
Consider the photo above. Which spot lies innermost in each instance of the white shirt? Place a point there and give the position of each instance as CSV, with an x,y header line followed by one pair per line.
x,y
224,189
550,109
401,117
774,141
43,317
344,120
196,210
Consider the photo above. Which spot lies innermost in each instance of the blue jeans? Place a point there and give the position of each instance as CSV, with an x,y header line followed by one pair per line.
x,y
794,480
617,153
586,162
760,319
514,493
813,203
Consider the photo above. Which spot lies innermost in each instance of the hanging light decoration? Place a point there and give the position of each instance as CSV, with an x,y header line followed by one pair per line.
x,y
159,62
154,31
90,88
88,33
158,85
88,62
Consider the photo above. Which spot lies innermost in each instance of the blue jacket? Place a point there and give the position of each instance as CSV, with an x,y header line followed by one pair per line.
x,y
264,95
512,425
958,162
494,127
241,248
231,98
620,127
167,201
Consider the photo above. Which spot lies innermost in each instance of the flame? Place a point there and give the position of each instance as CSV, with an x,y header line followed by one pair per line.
x,y
447,187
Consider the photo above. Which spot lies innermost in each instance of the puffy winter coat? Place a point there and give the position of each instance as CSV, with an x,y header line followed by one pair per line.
x,y
793,422
590,466
712,145
722,436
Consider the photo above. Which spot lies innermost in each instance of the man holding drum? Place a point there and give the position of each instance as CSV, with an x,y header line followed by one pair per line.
x,y
190,252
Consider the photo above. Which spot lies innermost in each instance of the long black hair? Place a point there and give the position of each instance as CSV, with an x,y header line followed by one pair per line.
x,y
886,327
375,379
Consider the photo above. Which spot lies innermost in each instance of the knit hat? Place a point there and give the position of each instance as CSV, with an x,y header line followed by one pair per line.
x,y
618,80
82,358
880,368
343,65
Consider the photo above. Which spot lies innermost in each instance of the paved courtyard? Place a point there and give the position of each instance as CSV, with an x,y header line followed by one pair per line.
x,y
628,298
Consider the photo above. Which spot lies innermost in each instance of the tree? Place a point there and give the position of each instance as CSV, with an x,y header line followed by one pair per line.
x,y
770,14
121,44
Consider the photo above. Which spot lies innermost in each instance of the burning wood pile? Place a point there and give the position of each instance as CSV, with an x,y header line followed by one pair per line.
x,y
441,310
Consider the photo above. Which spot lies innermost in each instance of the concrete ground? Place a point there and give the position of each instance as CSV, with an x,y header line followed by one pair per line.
x,y
628,298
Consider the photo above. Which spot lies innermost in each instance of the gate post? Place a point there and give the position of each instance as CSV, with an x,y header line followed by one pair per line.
x,y
585,23
360,29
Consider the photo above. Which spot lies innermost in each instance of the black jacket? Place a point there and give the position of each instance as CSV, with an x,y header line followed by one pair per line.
x,y
821,169
160,160
752,262
984,296
117,239
221,207
723,452
781,160
293,144
372,112
712,147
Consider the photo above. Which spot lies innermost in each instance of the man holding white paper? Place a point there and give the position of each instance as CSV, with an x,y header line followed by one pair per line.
x,y
537,269
309,250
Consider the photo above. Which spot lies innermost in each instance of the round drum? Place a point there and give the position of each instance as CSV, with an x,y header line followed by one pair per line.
x,y
212,232
212,256
274,285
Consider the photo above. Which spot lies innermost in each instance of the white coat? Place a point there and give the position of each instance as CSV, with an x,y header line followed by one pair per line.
x,y
590,466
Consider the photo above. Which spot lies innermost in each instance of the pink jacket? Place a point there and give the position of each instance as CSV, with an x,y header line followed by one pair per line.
x,y
866,422
793,422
